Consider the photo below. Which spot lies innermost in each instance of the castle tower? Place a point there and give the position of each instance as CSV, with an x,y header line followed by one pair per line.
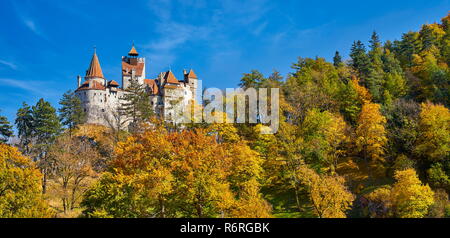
x,y
94,71
192,80
133,67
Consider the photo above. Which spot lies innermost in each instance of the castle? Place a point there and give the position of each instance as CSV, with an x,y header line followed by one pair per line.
x,y
101,98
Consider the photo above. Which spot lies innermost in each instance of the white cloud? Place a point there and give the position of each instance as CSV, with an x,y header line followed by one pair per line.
x,y
34,87
27,20
9,64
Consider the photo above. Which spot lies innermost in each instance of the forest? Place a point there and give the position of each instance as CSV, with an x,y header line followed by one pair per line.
x,y
367,137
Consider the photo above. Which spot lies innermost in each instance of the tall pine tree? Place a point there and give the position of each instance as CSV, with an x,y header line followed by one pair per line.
x,y
71,112
25,127
360,59
337,60
46,128
375,78
5,129
136,105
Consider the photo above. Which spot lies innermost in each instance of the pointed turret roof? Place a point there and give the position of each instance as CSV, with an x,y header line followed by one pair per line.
x,y
170,78
133,51
94,71
192,74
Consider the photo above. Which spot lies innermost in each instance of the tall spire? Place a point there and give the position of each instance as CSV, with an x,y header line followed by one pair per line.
x,y
133,51
94,71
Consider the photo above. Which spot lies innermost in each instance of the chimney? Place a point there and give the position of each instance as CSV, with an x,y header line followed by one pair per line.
x,y
79,80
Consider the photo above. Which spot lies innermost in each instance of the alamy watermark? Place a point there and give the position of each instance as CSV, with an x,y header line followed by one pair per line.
x,y
231,106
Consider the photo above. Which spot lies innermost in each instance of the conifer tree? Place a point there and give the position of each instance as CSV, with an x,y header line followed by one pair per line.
x,y
135,106
25,127
46,128
5,129
71,112
360,59
337,60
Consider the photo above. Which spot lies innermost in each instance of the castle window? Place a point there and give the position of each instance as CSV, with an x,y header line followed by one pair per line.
x,y
103,110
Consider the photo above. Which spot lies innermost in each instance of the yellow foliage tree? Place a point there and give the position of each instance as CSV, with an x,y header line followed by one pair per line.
x,y
328,195
20,186
74,161
371,137
434,126
364,95
172,174
410,199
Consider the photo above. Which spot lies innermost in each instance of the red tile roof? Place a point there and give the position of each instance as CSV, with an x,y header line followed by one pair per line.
x,y
94,71
133,52
126,68
153,86
91,85
192,74
113,83
170,78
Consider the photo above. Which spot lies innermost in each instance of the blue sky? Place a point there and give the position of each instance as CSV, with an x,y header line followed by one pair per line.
x,y
45,44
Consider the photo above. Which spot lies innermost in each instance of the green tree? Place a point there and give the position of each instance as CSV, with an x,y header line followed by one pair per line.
x,y
407,47
324,137
5,129
46,128
251,80
25,127
337,60
135,106
71,112
360,59
375,78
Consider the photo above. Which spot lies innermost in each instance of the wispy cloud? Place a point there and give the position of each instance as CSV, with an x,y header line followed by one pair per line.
x,y
213,23
34,87
9,64
27,20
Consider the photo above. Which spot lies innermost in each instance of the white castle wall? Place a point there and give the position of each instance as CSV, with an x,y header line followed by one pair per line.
x,y
101,106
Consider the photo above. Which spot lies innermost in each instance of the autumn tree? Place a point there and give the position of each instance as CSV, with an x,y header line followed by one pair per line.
x,y
328,195
434,132
20,186
314,84
73,169
410,199
371,138
170,174
352,98
324,137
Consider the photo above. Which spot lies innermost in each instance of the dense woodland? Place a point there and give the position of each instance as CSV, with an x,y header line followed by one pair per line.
x,y
363,137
